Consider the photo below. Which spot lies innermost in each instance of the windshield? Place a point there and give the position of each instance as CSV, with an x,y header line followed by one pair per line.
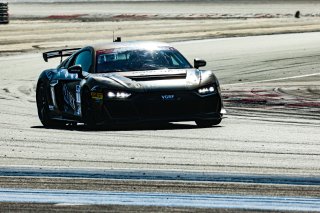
x,y
124,59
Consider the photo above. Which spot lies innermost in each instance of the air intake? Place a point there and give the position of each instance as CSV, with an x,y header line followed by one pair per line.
x,y
158,77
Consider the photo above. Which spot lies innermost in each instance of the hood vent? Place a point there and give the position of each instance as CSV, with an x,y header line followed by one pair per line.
x,y
158,77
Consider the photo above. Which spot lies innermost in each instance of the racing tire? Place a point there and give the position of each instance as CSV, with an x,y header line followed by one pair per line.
x,y
208,123
88,115
43,108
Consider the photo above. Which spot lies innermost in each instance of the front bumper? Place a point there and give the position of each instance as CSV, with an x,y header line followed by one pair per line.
x,y
140,107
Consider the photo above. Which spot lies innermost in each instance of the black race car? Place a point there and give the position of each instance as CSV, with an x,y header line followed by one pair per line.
x,y
116,82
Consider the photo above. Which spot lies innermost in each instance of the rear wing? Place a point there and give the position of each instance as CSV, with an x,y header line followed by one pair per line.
x,y
58,53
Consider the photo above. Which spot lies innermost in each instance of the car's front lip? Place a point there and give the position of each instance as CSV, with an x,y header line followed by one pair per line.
x,y
137,119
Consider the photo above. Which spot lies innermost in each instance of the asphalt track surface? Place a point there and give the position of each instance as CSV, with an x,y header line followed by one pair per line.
x,y
271,90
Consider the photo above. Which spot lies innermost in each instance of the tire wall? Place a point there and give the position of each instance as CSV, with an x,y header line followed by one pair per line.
x,y
4,13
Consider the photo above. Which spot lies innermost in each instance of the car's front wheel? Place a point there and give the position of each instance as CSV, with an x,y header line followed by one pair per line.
x,y
43,108
208,123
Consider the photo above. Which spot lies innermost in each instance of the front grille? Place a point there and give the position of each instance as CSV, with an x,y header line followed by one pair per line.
x,y
184,104
151,105
120,109
175,108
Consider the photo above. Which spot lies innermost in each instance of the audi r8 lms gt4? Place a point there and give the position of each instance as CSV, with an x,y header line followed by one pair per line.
x,y
121,82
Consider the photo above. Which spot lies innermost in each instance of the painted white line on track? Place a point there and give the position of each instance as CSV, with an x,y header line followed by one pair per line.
x,y
77,197
275,79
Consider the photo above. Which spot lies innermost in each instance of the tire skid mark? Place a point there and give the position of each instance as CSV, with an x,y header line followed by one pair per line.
x,y
273,80
306,118
18,114
266,69
147,137
6,90
306,93
292,58
255,117
59,162
159,148
270,98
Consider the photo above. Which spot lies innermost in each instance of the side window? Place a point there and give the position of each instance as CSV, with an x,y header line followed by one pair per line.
x,y
174,61
85,60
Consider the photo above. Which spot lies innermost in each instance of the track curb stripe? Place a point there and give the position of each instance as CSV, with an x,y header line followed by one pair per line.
x,y
158,175
76,197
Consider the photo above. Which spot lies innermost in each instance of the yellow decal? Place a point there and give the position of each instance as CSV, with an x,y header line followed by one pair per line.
x,y
97,95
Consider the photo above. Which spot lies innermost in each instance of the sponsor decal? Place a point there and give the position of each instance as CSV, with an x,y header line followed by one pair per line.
x,y
168,97
78,100
97,95
78,93
49,75
68,97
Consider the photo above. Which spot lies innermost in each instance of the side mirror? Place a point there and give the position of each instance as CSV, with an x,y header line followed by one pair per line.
x,y
199,63
76,69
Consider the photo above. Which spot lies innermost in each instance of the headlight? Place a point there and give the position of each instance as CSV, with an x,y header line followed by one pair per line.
x,y
118,95
206,90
